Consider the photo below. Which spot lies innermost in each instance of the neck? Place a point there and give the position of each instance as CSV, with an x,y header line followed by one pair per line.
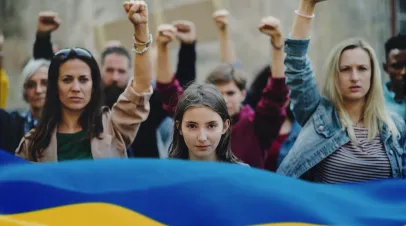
x,y
355,110
69,121
212,158
36,112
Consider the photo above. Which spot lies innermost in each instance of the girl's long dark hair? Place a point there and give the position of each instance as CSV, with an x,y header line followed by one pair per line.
x,y
91,117
196,96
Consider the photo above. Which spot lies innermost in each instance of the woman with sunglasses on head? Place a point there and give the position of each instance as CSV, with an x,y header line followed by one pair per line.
x,y
73,125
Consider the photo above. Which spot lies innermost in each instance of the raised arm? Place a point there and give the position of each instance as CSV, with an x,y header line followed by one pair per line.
x,y
270,110
186,69
132,107
227,51
300,77
165,35
47,23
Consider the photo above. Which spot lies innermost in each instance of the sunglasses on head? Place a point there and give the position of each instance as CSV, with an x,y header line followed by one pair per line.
x,y
64,53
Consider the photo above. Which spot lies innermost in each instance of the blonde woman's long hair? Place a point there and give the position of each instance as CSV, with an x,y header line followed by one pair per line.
x,y
374,113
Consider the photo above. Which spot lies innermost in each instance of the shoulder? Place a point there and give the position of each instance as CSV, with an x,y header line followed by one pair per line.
x,y
243,164
399,122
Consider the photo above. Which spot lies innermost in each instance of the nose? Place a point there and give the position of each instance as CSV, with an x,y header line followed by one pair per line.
x,y
39,89
116,76
354,76
202,137
76,86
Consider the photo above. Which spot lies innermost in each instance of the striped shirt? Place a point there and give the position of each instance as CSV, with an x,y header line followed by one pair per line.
x,y
355,162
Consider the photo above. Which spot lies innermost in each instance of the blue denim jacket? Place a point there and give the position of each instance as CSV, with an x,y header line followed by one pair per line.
x,y
288,143
322,132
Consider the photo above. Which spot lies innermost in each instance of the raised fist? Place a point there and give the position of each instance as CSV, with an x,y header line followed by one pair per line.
x,y
271,26
185,31
220,17
48,22
137,12
165,34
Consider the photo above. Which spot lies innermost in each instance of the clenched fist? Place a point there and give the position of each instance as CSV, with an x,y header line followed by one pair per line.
x,y
220,17
185,31
271,26
165,34
48,22
137,12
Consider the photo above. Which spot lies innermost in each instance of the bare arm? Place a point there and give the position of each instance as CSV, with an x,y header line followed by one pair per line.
x,y
165,35
227,50
271,27
137,13
302,25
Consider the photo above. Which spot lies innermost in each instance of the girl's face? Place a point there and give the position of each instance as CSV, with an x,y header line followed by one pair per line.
x,y
202,129
74,85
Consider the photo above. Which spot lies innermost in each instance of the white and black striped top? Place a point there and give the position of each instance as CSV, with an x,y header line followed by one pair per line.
x,y
355,162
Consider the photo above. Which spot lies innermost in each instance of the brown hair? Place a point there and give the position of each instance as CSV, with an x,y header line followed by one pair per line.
x,y
225,73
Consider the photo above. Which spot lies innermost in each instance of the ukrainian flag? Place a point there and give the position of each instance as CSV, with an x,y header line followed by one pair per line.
x,y
174,192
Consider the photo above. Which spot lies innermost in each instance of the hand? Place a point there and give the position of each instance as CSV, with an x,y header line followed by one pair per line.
x,y
221,19
165,34
271,26
185,31
137,12
47,22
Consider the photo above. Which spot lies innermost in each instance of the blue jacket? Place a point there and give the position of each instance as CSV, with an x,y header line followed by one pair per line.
x,y
322,132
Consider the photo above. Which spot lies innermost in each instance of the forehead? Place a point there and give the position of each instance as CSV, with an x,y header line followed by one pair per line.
x,y
357,56
226,87
116,60
200,115
397,55
40,74
74,67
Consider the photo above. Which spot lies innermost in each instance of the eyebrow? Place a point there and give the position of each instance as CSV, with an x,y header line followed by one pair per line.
x,y
191,122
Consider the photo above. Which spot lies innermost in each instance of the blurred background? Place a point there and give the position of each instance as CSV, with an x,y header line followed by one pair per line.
x,y
90,23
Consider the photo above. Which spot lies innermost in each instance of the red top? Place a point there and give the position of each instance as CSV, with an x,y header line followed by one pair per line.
x,y
252,131
272,154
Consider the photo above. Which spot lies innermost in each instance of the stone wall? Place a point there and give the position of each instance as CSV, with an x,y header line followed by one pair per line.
x,y
335,21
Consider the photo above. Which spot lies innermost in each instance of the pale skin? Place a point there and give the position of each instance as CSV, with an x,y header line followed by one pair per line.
x,y
35,91
185,32
74,83
354,100
202,129
227,51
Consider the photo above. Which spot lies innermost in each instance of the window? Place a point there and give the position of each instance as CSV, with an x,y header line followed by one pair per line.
x,y
401,17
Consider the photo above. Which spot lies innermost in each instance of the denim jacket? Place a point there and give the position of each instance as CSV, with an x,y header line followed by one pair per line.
x,y
322,132
288,143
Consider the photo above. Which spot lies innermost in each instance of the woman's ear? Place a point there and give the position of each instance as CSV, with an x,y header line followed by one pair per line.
x,y
226,126
177,124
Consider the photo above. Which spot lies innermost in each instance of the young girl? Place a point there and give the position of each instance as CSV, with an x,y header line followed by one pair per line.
x,y
73,125
202,126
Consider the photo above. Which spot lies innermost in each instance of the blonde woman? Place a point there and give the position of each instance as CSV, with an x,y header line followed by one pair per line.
x,y
347,134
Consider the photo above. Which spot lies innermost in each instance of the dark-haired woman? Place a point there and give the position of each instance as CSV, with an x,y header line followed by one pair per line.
x,y
73,125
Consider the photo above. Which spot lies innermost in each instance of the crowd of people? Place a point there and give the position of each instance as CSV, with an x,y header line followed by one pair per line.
x,y
136,105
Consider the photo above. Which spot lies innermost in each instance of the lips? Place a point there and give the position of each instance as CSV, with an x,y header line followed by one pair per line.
x,y
75,99
355,88
202,147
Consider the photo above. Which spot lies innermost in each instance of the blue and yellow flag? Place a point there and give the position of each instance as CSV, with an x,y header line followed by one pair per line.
x,y
174,192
